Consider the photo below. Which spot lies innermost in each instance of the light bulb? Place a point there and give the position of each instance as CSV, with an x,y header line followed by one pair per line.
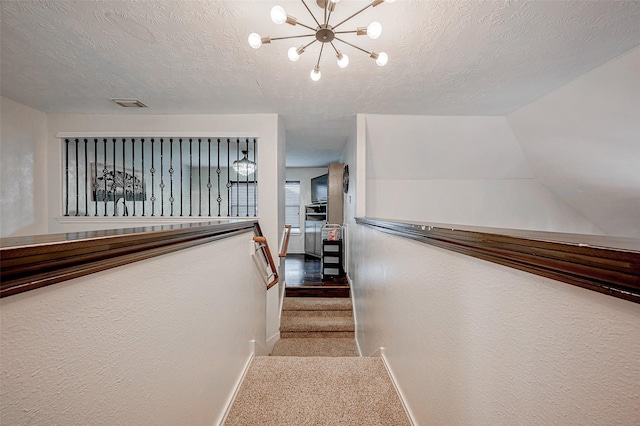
x,y
382,59
278,15
374,30
315,73
343,60
293,54
335,1
255,40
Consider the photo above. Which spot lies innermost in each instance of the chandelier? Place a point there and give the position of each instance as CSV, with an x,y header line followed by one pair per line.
x,y
245,167
325,33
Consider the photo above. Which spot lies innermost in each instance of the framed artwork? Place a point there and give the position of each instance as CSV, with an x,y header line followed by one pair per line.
x,y
111,184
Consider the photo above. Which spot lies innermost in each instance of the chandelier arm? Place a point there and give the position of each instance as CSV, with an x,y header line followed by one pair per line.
x,y
310,12
320,55
345,32
326,5
334,48
353,45
296,36
306,26
309,44
355,14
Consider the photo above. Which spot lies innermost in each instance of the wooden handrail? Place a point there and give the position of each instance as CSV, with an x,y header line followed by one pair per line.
x,y
37,261
608,265
284,244
262,241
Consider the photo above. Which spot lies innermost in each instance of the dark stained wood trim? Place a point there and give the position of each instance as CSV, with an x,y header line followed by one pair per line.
x,y
28,263
285,247
318,291
606,265
267,252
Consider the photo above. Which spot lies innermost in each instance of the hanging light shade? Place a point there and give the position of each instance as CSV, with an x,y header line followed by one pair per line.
x,y
245,167
325,33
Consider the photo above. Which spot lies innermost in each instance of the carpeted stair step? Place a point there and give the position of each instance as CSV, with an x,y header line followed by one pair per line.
x,y
317,314
316,326
296,304
317,334
315,347
283,390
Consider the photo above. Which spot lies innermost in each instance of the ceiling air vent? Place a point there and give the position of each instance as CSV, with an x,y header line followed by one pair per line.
x,y
129,103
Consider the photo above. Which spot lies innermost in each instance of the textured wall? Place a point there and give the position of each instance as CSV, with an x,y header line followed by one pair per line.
x,y
501,203
474,343
22,168
271,145
157,342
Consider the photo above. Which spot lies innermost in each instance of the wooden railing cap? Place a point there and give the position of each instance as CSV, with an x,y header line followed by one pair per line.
x,y
608,265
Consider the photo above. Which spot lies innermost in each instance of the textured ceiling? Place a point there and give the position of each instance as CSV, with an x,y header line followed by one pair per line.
x,y
184,57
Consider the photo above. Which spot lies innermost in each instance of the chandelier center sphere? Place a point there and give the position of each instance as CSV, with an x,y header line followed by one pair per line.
x,y
325,33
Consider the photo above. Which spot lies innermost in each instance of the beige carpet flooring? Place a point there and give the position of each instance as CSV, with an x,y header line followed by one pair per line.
x,y
316,304
315,347
283,391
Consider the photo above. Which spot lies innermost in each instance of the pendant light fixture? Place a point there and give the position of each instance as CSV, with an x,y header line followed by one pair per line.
x,y
245,167
325,33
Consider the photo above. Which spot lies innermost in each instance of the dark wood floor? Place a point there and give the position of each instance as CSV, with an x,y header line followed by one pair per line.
x,y
303,275
302,267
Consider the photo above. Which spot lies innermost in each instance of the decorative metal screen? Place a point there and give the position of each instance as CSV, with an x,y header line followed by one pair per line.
x,y
158,177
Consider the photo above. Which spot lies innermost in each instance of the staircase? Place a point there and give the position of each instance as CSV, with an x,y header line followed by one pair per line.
x,y
314,375
316,327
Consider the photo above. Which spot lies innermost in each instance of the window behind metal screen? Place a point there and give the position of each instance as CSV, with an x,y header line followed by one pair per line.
x,y
243,196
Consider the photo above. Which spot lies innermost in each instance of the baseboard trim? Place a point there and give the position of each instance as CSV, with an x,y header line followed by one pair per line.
x,y
355,314
272,341
358,344
376,353
281,296
412,419
260,350
236,387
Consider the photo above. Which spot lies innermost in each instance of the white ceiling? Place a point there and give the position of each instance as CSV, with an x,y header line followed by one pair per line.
x,y
179,57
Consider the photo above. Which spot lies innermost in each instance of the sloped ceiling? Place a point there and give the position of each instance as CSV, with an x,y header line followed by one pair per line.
x,y
179,57
582,141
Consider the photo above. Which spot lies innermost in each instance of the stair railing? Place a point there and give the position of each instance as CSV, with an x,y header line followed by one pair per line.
x,y
36,261
609,265
284,241
264,261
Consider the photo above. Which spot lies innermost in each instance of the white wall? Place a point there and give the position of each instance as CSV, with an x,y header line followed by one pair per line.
x,y
508,203
22,169
353,155
276,163
271,145
474,343
583,142
462,170
304,176
151,342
